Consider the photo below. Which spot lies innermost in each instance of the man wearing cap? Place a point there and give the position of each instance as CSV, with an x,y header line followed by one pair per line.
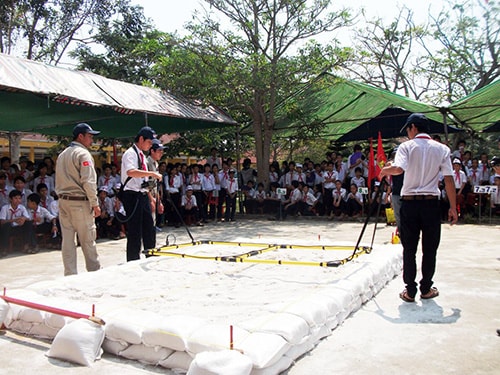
x,y
76,186
136,180
422,160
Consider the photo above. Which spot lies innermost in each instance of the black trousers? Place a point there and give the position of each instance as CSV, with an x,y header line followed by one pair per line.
x,y
140,226
419,216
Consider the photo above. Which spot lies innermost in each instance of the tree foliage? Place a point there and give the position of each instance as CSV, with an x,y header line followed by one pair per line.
x,y
450,56
253,64
125,46
44,29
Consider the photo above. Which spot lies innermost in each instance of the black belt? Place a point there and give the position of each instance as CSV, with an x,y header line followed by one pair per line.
x,y
73,197
419,197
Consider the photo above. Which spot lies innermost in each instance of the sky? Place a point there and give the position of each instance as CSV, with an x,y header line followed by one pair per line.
x,y
170,18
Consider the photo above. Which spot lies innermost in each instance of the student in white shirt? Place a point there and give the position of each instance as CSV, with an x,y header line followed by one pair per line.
x,y
232,189
15,221
43,220
354,202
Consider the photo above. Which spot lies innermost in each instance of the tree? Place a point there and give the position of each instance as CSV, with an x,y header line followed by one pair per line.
x,y
386,55
123,41
469,57
254,60
452,55
44,29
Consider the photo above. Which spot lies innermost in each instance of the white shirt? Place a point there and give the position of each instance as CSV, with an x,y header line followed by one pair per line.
x,y
459,178
357,195
54,207
9,213
195,181
131,161
331,176
173,183
41,213
342,193
185,200
360,182
4,196
223,177
295,196
422,159
309,198
109,182
475,176
208,182
47,180
232,185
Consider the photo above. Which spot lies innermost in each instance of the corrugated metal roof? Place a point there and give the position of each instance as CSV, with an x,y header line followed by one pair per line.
x,y
83,88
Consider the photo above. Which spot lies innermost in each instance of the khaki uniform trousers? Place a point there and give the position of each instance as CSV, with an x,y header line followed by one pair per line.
x,y
76,217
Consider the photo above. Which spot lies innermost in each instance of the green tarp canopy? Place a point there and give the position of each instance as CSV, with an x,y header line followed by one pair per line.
x,y
39,98
480,110
347,110
342,105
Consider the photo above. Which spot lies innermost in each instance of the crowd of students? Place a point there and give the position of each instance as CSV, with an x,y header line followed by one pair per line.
x,y
197,194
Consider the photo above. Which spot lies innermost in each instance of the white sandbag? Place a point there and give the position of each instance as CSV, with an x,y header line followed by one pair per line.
x,y
178,362
333,303
355,288
114,347
297,350
78,342
214,337
291,327
20,326
31,315
56,321
332,322
277,368
171,331
146,354
128,324
4,310
311,310
224,362
264,349
43,331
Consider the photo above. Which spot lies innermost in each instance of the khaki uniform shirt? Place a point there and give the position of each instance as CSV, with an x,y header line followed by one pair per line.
x,y
75,173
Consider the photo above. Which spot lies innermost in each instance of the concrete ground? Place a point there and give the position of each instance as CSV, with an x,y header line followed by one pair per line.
x,y
452,334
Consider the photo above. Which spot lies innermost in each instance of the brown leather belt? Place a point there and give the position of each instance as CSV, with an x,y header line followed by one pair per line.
x,y
73,198
419,197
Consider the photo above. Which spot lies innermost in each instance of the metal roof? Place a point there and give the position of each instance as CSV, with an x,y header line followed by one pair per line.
x,y
37,97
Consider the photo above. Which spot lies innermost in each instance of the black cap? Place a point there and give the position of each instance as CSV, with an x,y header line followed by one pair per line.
x,y
147,133
84,128
157,145
415,118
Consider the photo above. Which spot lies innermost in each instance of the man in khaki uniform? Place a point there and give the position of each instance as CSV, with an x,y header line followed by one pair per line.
x,y
76,186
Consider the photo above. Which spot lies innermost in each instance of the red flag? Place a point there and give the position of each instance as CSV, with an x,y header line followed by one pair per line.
x,y
381,158
371,165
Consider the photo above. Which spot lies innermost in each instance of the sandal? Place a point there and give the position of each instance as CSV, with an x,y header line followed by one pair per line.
x,y
406,297
433,292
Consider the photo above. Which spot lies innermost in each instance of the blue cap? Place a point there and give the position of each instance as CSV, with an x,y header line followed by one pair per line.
x,y
157,145
84,128
415,118
147,133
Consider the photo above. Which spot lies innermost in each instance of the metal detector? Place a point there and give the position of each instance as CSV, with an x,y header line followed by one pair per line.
x,y
368,216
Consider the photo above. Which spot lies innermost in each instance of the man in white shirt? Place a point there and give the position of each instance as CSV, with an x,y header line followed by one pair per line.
x,y
135,198
421,159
